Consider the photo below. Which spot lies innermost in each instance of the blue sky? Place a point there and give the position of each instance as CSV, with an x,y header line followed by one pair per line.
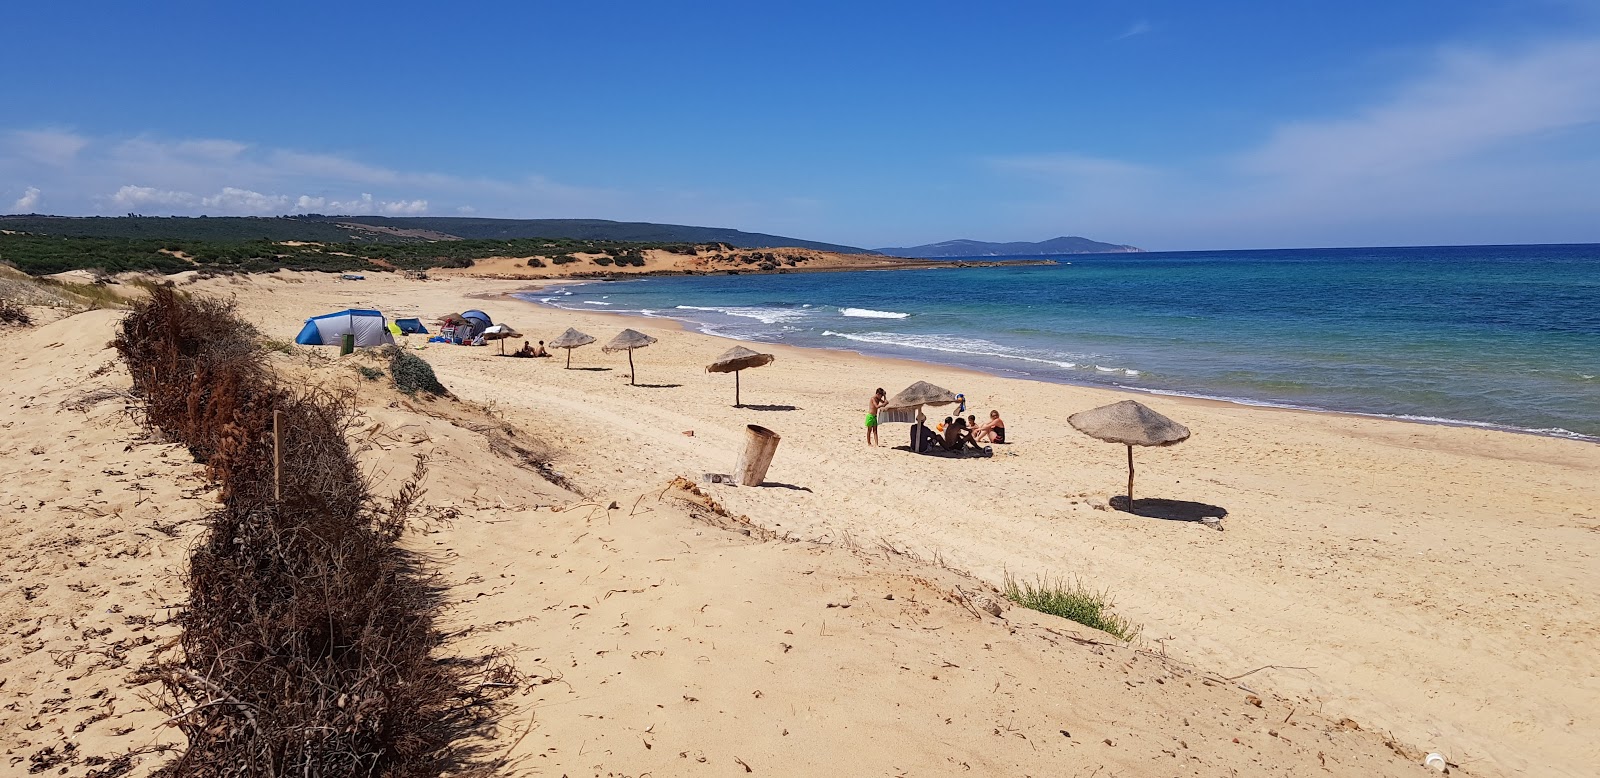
x,y
1167,125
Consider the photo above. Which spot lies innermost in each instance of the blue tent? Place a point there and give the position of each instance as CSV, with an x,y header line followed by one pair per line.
x,y
478,321
411,326
330,328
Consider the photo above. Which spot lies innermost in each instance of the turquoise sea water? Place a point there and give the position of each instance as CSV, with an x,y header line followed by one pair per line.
x,y
1500,336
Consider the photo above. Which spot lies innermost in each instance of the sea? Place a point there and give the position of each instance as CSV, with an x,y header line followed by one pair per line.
x,y
1502,337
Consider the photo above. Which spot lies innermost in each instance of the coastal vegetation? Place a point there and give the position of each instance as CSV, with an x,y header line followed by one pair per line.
x,y
319,228
1073,601
42,254
308,634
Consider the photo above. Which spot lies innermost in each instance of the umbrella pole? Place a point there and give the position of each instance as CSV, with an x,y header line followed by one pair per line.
x,y
631,377
1130,478
569,359
736,390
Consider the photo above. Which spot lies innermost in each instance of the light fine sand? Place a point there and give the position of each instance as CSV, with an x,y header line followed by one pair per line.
x,y
1381,589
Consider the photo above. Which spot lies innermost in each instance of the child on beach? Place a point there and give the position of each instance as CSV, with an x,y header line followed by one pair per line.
x,y
879,399
992,432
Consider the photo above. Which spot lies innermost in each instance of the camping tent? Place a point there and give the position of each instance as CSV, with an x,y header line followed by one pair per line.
x,y
411,326
330,328
477,322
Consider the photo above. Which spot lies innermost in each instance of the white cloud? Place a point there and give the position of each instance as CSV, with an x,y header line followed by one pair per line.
x,y
148,174
1137,28
49,147
144,196
27,202
1482,147
364,205
406,208
1473,102
233,201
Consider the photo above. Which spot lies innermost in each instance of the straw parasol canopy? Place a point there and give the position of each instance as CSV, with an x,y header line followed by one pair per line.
x,y
922,393
735,359
500,332
628,340
1131,424
570,340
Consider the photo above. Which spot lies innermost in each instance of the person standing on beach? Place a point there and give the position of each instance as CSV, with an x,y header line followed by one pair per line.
x,y
879,399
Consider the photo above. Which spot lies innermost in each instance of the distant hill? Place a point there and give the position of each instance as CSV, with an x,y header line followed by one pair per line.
x,y
382,229
978,248
595,229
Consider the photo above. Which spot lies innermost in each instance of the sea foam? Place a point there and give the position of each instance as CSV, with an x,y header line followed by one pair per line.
x,y
868,313
949,344
761,314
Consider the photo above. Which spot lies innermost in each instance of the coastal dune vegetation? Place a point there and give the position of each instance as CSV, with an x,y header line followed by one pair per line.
x,y
308,632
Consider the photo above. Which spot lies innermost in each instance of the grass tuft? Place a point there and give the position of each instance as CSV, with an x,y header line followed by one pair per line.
x,y
1073,601
369,373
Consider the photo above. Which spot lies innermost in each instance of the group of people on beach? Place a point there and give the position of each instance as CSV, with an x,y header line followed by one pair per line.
x,y
531,351
954,434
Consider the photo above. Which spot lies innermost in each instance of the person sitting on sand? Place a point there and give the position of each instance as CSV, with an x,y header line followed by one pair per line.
x,y
992,432
879,399
525,351
540,351
943,426
956,436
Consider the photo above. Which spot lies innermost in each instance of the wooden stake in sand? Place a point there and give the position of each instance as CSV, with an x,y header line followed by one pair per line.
x,y
277,455
760,444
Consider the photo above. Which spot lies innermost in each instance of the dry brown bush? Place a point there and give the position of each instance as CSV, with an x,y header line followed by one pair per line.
x,y
308,634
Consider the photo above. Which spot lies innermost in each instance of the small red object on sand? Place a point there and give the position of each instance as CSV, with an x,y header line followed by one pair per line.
x,y
690,433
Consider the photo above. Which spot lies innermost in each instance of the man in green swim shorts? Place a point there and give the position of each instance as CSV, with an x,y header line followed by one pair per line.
x,y
879,399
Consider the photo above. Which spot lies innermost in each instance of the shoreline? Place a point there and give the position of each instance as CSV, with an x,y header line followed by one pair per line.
x,y
1419,568
1180,396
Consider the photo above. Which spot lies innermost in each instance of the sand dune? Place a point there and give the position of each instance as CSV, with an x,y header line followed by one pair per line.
x,y
1423,581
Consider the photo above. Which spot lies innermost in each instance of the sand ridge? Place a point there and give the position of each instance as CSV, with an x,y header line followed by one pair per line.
x,y
1431,580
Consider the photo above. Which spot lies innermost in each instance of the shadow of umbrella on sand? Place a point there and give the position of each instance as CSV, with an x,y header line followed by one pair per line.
x,y
1131,424
735,359
628,340
570,340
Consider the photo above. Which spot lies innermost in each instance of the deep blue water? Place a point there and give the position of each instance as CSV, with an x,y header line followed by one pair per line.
x,y
1504,336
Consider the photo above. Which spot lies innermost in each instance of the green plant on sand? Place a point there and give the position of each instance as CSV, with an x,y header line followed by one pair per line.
x,y
411,373
369,373
1073,601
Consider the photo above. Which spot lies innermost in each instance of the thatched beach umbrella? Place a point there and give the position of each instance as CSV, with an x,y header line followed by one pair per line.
x,y
570,340
628,340
1131,424
500,332
735,359
922,393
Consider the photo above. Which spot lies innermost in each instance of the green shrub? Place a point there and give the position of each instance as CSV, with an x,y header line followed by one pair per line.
x,y
564,259
369,373
1072,601
603,261
535,262
412,374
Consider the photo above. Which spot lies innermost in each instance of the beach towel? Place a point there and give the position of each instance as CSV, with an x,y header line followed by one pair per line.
x,y
900,415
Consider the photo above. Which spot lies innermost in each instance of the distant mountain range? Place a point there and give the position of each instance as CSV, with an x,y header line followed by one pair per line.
x,y
383,229
978,248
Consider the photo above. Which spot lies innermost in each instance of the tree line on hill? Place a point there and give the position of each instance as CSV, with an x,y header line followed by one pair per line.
x,y
43,255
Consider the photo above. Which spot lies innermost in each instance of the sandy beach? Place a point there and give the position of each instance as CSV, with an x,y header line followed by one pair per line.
x,y
1382,589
